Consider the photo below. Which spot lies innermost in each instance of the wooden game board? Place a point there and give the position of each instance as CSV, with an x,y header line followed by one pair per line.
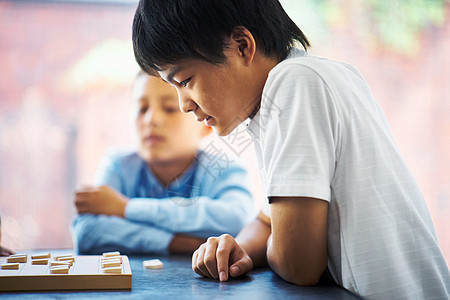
x,y
86,273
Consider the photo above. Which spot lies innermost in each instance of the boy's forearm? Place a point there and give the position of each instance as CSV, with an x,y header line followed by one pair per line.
x,y
5,251
297,249
253,239
208,217
94,234
291,268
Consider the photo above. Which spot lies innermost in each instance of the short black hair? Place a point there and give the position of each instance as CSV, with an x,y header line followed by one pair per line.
x,y
168,31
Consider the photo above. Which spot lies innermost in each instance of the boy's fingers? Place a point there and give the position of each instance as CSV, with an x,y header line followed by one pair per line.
x,y
210,257
194,259
81,208
83,196
79,204
5,251
200,264
225,247
194,263
241,267
86,190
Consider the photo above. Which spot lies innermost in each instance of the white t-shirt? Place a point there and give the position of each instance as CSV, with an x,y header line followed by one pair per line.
x,y
319,133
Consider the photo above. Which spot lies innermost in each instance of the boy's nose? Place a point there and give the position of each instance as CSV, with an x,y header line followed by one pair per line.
x,y
151,117
186,104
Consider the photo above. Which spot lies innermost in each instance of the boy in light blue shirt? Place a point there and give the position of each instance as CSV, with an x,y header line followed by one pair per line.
x,y
167,197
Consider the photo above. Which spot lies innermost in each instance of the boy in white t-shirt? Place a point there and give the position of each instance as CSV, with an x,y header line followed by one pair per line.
x,y
341,197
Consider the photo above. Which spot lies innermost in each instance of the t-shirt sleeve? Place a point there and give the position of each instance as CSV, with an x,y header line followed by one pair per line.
x,y
300,139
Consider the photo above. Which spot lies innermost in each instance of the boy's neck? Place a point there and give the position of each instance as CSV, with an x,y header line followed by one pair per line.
x,y
261,67
166,172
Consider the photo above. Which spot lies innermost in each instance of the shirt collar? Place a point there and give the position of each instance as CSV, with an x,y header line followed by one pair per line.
x,y
296,52
179,183
253,124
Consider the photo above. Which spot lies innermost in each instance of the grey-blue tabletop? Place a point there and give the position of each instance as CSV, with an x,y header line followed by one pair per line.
x,y
176,280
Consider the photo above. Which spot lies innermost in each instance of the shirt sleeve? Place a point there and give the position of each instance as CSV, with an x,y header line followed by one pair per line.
x,y
225,207
299,141
95,234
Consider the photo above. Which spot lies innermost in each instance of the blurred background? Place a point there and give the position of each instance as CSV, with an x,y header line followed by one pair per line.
x,y
66,74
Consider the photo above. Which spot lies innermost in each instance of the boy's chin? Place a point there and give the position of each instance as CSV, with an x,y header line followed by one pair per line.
x,y
151,157
166,157
221,131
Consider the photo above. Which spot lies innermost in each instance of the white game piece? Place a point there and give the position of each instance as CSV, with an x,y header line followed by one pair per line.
x,y
17,258
59,270
62,256
68,262
112,270
152,264
111,263
18,255
70,259
104,259
60,263
10,266
109,254
40,261
39,256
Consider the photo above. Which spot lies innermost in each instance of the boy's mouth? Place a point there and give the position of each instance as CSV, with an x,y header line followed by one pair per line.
x,y
209,121
153,139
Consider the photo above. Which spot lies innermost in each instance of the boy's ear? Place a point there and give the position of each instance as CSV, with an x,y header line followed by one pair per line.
x,y
244,43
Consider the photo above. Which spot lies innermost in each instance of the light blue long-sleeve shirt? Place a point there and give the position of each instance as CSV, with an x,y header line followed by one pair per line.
x,y
210,198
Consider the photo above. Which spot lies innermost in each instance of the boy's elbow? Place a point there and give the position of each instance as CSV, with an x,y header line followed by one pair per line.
x,y
82,229
81,242
300,279
294,270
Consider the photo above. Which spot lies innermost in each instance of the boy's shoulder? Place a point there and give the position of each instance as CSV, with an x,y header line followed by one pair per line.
x,y
122,156
307,70
300,62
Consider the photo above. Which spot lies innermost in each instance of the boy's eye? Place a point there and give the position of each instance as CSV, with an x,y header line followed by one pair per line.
x,y
171,110
184,83
142,109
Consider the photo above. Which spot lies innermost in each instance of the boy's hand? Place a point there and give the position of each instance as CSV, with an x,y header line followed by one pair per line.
x,y
221,256
100,200
5,251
